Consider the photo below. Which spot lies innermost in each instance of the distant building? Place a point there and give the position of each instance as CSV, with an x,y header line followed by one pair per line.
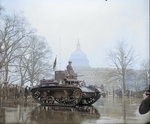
x,y
80,64
79,59
91,76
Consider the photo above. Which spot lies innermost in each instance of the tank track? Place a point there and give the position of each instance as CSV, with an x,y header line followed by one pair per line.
x,y
58,96
89,101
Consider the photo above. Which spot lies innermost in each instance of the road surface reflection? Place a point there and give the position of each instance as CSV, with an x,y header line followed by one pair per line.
x,y
105,111
71,115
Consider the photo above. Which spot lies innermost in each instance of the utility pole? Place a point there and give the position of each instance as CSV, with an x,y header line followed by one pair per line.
x,y
59,53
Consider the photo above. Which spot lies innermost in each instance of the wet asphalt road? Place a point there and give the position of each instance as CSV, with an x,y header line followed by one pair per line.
x,y
105,111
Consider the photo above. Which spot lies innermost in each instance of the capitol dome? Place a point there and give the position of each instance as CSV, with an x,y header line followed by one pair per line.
x,y
79,59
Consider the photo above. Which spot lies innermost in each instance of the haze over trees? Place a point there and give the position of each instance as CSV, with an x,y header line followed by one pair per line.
x,y
24,56
121,60
35,63
145,71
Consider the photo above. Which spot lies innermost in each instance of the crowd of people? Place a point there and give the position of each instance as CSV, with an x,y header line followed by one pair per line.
x,y
13,91
128,93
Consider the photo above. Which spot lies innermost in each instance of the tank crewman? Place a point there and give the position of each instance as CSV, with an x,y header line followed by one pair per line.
x,y
145,104
70,69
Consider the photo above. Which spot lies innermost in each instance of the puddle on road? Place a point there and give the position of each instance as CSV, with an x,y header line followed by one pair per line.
x,y
121,111
71,115
105,111
34,113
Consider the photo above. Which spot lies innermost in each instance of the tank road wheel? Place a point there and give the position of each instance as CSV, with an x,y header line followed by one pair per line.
x,y
63,100
50,99
77,94
42,99
36,94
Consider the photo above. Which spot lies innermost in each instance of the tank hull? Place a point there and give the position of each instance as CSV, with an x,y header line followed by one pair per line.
x,y
64,91
64,96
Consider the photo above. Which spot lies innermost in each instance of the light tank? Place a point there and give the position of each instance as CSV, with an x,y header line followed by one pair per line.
x,y
64,91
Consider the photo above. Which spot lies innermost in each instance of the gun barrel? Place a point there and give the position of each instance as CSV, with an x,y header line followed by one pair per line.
x,y
78,75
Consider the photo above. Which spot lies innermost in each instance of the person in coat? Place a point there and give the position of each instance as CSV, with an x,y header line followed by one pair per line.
x,y
26,92
70,70
145,104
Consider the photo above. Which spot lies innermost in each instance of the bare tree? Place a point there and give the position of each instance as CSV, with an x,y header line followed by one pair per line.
x,y
135,80
35,63
1,8
13,30
145,71
21,71
121,59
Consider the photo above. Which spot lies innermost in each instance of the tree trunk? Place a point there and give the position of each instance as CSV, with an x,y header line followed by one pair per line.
x,y
123,79
6,72
124,87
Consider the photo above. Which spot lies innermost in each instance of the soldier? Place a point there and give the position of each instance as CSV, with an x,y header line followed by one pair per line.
x,y
16,92
26,92
70,70
20,92
13,91
9,92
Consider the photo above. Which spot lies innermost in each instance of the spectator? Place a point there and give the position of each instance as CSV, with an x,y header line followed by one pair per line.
x,y
128,93
145,104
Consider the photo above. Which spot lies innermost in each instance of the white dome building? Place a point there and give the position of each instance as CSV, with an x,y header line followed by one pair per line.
x,y
79,60
80,64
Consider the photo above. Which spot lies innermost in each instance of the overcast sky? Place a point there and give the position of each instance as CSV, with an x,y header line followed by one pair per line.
x,y
98,24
